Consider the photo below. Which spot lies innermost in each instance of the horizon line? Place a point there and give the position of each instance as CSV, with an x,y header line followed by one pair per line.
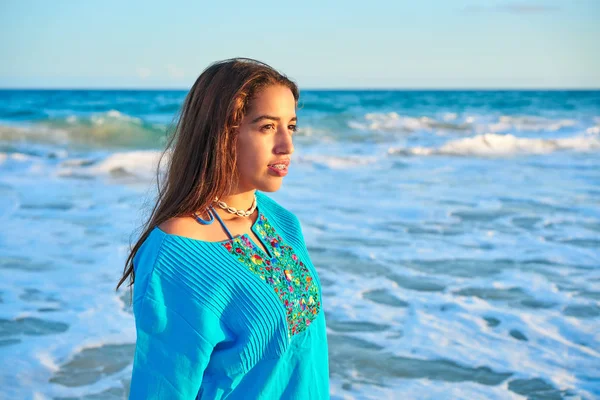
x,y
371,89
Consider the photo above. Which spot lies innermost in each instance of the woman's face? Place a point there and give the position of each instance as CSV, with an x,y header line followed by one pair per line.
x,y
265,139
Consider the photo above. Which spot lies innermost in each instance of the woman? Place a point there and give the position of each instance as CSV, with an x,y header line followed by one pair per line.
x,y
227,302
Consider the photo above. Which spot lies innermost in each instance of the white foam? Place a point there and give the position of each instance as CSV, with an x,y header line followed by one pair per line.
x,y
80,230
140,163
337,162
14,156
449,121
492,144
47,360
102,118
451,330
309,131
37,133
593,130
529,123
395,122
111,127
449,116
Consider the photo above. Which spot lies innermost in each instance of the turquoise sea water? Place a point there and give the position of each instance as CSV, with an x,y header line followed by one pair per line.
x,y
456,233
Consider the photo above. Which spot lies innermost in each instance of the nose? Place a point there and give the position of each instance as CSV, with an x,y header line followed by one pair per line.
x,y
284,143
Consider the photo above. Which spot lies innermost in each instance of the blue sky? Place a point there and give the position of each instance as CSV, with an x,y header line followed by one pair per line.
x,y
338,44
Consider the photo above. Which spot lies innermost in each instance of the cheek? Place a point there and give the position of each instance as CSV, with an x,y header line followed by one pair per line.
x,y
254,152
248,156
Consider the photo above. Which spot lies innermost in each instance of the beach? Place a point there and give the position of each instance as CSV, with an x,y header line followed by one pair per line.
x,y
456,235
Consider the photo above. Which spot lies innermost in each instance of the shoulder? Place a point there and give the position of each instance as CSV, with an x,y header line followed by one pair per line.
x,y
172,265
144,260
276,210
175,247
187,227
175,226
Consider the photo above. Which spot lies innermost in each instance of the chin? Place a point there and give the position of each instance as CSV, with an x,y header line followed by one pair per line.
x,y
270,186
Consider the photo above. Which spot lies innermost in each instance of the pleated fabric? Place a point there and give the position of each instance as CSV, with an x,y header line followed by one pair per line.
x,y
211,327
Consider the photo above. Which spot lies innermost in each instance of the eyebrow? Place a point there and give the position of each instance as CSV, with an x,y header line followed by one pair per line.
x,y
255,120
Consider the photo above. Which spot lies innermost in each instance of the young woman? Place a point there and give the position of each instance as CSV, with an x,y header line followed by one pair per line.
x,y
227,302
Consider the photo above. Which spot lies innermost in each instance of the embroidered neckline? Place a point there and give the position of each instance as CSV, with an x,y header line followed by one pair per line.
x,y
289,277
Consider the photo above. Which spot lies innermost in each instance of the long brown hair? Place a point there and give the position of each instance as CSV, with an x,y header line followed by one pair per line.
x,y
202,146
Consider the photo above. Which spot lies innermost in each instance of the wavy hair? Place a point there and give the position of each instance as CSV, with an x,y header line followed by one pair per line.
x,y
202,147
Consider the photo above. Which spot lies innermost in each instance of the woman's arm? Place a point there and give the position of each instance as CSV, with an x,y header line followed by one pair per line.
x,y
176,330
170,355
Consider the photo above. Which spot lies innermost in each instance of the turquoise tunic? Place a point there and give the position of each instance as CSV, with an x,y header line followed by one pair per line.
x,y
218,320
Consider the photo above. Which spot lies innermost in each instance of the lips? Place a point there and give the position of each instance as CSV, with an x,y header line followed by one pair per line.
x,y
282,170
282,162
278,172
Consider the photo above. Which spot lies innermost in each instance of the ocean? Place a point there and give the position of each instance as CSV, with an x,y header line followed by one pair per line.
x,y
456,235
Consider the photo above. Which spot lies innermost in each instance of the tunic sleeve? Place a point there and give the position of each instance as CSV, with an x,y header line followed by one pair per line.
x,y
176,335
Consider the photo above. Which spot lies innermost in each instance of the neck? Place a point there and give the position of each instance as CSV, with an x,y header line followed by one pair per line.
x,y
240,201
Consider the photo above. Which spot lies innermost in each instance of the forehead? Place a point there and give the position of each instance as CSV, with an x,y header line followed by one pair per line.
x,y
273,100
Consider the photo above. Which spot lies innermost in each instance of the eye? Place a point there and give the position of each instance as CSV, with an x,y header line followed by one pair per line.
x,y
267,127
293,128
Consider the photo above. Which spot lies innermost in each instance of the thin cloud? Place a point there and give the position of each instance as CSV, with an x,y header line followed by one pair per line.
x,y
143,72
472,8
513,8
524,8
175,72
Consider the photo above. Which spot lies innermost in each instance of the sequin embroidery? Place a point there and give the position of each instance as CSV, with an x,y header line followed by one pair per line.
x,y
285,272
